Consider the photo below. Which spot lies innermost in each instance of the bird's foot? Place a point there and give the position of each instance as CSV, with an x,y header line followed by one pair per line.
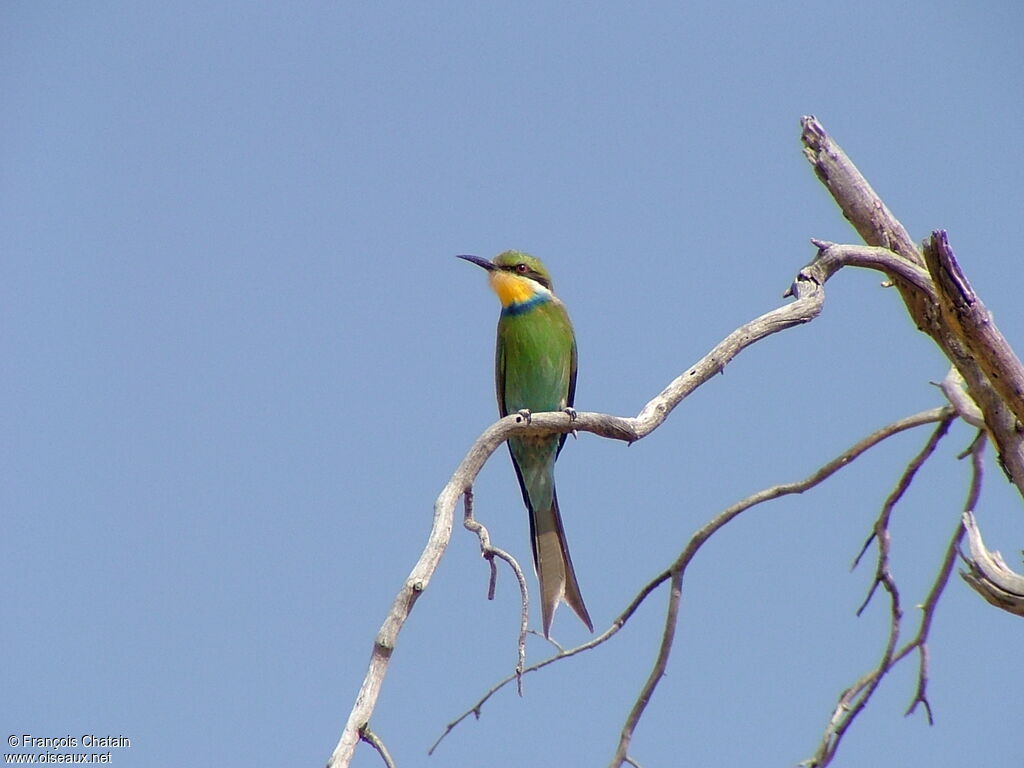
x,y
524,415
570,412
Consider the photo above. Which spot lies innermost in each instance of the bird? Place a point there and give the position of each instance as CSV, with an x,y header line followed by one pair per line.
x,y
535,371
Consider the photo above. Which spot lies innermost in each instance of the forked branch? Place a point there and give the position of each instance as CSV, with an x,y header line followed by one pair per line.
x,y
947,309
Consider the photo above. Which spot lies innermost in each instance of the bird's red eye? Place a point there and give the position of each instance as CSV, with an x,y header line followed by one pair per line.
x,y
521,268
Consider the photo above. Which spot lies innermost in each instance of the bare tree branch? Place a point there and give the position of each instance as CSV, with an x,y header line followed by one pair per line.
x,y
679,566
989,575
835,256
860,205
374,741
920,642
880,530
965,313
810,297
890,250
853,700
946,308
877,225
489,553
618,623
952,387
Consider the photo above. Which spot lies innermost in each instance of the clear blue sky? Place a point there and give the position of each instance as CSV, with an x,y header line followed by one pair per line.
x,y
240,362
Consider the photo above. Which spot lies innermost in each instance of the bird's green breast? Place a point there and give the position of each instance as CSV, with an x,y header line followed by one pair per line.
x,y
535,359
536,370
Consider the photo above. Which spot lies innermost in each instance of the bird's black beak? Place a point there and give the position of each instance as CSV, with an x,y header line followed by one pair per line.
x,y
479,262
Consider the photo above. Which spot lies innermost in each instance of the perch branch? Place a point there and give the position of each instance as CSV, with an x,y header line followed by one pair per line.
x,y
810,297
807,289
696,541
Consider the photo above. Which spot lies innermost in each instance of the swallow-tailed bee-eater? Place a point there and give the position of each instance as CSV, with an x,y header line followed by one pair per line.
x,y
535,370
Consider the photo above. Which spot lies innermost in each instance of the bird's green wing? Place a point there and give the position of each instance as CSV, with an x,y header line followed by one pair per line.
x,y
571,397
499,375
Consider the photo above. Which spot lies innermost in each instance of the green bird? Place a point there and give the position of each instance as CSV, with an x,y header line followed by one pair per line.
x,y
535,370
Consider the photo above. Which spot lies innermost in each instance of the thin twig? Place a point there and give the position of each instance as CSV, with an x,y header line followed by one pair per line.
x,y
616,625
373,740
941,580
853,700
679,566
952,387
880,530
489,552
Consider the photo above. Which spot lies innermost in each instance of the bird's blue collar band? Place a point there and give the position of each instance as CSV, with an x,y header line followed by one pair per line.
x,y
521,307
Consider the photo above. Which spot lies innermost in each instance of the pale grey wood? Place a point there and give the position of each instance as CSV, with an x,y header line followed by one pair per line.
x,y
989,575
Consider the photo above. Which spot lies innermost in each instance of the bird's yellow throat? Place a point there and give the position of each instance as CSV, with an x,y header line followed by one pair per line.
x,y
511,289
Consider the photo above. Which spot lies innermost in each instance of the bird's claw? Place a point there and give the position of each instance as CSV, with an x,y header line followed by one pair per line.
x,y
524,415
570,412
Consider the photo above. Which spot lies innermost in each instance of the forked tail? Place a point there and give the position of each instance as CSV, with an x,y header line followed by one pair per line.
x,y
554,565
